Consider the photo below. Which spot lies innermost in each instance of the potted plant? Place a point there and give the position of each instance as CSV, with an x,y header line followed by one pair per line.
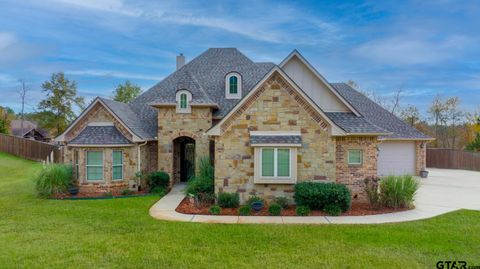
x,y
423,174
73,189
256,203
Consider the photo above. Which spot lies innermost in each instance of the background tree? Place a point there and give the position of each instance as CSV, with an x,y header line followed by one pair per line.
x,y
23,93
126,92
6,116
410,115
61,98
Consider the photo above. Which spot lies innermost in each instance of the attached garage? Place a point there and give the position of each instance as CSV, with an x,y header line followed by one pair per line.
x,y
396,158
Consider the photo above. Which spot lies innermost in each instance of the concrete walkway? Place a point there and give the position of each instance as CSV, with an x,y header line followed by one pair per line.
x,y
442,192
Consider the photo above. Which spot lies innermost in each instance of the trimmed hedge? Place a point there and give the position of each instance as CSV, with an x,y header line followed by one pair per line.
x,y
320,195
158,179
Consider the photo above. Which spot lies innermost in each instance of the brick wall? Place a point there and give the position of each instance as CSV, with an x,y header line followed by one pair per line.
x,y
353,175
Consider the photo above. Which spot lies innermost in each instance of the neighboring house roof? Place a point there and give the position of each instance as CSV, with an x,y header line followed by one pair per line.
x,y
275,139
374,113
28,126
100,135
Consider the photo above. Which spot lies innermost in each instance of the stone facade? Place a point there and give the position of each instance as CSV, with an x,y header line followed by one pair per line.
x,y
354,175
275,107
172,125
420,156
106,184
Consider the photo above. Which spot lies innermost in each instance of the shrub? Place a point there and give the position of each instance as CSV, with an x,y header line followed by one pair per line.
x,y
319,195
205,198
282,201
200,184
275,209
53,179
398,191
205,168
158,179
228,200
373,193
302,210
254,199
126,192
158,190
332,210
244,210
215,210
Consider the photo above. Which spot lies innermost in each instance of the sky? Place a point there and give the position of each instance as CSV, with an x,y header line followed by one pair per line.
x,y
422,47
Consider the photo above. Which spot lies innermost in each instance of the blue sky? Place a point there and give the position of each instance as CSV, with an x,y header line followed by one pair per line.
x,y
421,47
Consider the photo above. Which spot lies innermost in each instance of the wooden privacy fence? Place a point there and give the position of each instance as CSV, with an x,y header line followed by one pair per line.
x,y
453,159
29,149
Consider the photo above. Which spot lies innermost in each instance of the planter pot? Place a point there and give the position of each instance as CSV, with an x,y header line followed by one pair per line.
x,y
423,174
73,190
257,206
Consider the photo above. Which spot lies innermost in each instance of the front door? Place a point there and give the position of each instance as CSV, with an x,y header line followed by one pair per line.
x,y
187,161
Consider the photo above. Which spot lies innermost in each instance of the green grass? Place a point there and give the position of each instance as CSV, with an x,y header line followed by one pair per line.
x,y
36,233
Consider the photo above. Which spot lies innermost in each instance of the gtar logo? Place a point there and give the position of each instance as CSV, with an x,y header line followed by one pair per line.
x,y
452,265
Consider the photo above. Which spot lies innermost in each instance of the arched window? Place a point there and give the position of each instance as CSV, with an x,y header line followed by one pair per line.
x,y
233,86
183,98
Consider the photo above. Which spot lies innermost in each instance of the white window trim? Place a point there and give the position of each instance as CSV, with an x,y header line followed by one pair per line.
x,y
188,109
259,179
117,165
87,165
361,157
228,95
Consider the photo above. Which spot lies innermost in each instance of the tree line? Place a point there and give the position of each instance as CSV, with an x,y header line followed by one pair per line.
x,y
57,110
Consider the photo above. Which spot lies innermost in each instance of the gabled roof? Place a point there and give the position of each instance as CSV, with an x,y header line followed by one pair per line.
x,y
374,113
100,135
122,112
296,53
216,130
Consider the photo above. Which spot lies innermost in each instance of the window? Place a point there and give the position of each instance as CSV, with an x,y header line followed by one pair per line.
x,y
355,157
233,86
183,98
75,161
94,165
275,165
117,165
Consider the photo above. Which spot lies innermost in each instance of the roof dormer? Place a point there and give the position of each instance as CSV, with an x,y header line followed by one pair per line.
x,y
233,86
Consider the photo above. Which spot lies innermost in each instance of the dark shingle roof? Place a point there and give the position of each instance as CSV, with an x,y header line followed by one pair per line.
x,y
377,115
352,124
275,139
100,135
129,118
204,77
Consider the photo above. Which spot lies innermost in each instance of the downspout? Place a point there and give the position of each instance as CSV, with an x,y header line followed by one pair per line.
x,y
139,160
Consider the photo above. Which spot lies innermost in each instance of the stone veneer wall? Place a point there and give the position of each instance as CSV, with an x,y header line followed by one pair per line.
x,y
107,184
353,175
420,156
275,107
172,125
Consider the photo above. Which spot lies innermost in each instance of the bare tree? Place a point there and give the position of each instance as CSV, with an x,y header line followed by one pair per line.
x,y
396,101
437,114
454,116
22,92
410,115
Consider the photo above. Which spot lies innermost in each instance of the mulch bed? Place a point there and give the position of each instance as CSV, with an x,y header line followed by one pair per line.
x,y
357,209
100,195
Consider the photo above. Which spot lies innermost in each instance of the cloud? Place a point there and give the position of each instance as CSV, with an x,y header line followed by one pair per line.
x,y
112,73
12,50
410,50
7,80
112,6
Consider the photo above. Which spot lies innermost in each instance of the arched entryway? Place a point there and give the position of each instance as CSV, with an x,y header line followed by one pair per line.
x,y
183,158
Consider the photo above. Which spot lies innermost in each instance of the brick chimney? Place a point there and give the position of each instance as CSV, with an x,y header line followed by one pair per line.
x,y
180,61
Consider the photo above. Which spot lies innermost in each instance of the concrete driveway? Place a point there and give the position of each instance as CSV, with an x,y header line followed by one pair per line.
x,y
450,188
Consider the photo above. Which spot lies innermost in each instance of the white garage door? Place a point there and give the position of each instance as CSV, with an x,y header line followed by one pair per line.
x,y
396,158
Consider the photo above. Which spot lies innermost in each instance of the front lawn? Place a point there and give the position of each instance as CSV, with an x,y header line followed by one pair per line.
x,y
36,233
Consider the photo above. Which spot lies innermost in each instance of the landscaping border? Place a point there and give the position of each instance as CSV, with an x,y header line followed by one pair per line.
x,y
165,208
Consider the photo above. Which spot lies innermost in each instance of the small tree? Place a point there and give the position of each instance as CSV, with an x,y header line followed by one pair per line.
x,y
61,97
410,115
6,116
126,92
